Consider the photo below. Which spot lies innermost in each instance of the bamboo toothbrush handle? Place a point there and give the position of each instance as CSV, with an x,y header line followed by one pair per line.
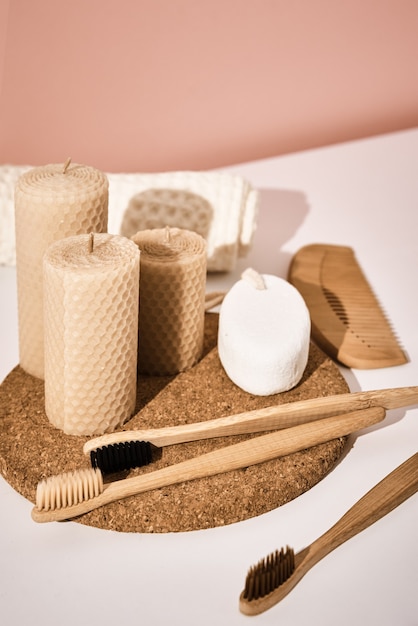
x,y
269,418
239,455
394,489
389,493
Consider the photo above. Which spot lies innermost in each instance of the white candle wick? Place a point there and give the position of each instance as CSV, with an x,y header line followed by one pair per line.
x,y
66,165
167,236
254,278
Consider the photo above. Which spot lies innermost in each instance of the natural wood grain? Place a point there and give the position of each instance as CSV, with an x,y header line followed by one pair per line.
x,y
268,418
202,393
243,454
348,322
379,501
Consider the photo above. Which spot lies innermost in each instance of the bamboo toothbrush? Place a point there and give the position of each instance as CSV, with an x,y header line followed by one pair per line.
x,y
133,448
274,577
69,495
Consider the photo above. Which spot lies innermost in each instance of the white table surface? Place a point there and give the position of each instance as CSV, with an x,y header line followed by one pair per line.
x,y
363,194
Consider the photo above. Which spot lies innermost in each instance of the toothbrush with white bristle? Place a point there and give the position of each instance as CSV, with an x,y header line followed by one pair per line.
x,y
70,495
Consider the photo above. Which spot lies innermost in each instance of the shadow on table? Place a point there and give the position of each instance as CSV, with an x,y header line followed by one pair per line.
x,y
282,212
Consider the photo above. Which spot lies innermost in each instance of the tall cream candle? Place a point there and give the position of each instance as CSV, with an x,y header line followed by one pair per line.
x,y
91,292
172,299
51,202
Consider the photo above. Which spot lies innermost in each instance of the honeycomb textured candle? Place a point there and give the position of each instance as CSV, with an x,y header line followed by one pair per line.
x,y
91,332
51,202
172,299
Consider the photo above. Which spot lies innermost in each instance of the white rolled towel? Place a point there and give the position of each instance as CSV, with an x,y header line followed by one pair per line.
x,y
264,334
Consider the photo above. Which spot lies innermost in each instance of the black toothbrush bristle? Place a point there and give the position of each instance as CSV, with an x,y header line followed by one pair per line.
x,y
119,457
269,573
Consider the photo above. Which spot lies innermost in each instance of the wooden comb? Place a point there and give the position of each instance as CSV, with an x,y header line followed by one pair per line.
x,y
347,321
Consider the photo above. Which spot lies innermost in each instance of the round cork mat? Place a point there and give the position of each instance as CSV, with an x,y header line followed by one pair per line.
x,y
32,449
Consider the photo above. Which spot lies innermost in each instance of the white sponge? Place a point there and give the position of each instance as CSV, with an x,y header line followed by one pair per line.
x,y
264,334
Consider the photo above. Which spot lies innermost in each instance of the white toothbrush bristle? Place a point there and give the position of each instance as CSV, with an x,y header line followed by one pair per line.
x,y
68,489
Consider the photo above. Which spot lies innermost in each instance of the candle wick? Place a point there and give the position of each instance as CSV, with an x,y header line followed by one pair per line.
x,y
66,165
167,234
91,242
254,278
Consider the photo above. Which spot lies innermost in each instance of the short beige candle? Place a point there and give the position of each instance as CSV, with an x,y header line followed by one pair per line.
x,y
172,299
91,332
51,202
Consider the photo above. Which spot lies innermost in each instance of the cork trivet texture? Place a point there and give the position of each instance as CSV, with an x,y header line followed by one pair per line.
x,y
32,449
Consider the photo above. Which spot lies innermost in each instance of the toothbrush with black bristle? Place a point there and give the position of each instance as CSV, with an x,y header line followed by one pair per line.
x,y
120,457
125,450
268,582
70,495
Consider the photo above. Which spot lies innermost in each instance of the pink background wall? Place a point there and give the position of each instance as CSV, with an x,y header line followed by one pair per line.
x,y
152,85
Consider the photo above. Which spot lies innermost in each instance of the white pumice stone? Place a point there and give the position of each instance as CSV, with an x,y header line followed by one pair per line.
x,y
264,334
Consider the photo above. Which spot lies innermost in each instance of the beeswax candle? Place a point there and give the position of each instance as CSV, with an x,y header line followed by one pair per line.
x,y
51,202
172,299
91,291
